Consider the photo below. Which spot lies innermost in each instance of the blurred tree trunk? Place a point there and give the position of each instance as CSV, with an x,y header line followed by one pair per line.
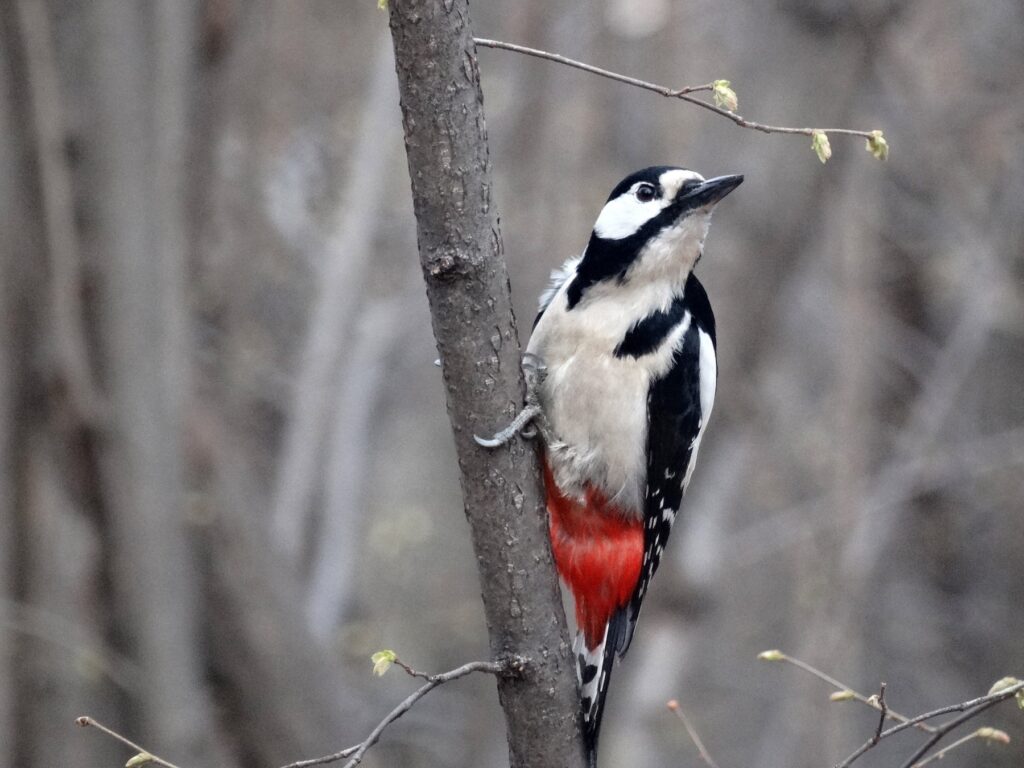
x,y
141,59
471,310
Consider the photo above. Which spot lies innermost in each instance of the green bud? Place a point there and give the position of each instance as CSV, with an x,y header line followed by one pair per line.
x,y
841,696
382,661
993,734
820,145
877,146
140,759
772,655
725,96
1001,685
382,4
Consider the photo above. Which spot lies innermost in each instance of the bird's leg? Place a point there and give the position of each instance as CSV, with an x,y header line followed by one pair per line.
x,y
529,421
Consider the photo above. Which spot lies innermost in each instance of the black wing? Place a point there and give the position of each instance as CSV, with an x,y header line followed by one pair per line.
x,y
675,418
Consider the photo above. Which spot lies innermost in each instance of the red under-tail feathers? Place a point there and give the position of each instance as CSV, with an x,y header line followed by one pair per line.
x,y
598,550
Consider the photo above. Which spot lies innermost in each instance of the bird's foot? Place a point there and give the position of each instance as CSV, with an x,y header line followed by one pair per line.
x,y
530,420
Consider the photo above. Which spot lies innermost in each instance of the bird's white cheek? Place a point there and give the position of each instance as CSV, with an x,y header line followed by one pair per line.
x,y
623,216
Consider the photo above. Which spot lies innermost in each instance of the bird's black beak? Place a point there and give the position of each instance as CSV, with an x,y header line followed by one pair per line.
x,y
712,190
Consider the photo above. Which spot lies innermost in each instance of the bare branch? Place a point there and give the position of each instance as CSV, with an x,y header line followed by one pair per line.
x,y
85,721
990,734
510,666
974,708
674,93
884,710
871,701
873,741
357,751
971,709
692,732
558,58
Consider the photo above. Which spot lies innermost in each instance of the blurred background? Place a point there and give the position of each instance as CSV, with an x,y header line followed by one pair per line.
x,y
226,471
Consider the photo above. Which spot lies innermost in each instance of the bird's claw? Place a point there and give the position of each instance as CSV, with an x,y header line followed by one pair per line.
x,y
529,421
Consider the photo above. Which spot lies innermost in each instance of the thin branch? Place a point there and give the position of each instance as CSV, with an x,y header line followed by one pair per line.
x,y
873,741
884,710
556,57
675,93
987,700
85,721
692,732
971,709
871,701
974,709
357,751
509,666
990,734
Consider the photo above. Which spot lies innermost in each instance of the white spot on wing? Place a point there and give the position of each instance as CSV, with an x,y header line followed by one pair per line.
x,y
708,376
708,382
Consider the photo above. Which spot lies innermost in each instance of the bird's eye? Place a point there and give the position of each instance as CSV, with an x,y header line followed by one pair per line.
x,y
645,193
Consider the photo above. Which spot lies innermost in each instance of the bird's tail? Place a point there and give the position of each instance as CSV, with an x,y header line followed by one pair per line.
x,y
594,670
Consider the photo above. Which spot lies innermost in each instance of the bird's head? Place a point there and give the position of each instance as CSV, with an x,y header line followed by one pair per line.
x,y
652,227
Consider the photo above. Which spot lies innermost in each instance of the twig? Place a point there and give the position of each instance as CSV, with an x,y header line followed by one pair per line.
x,y
692,732
971,709
509,666
85,721
884,710
974,709
556,57
357,751
870,701
877,737
676,93
987,733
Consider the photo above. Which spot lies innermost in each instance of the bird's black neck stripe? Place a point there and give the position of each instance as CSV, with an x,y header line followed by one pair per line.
x,y
606,259
646,335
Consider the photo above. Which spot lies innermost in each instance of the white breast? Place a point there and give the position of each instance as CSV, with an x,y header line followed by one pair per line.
x,y
595,402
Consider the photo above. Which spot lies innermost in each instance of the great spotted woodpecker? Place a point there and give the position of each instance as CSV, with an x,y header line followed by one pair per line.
x,y
625,340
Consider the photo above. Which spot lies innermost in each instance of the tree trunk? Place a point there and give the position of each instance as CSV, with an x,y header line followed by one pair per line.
x,y
470,305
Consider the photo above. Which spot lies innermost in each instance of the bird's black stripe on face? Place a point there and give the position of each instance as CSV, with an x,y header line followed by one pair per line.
x,y
647,335
607,259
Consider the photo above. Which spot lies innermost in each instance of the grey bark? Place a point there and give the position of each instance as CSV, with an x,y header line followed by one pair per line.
x,y
471,311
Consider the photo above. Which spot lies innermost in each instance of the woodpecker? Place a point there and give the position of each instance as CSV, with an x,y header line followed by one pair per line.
x,y
625,351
